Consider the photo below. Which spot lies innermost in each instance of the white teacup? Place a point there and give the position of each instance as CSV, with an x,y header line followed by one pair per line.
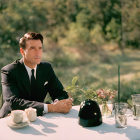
x,y
31,114
17,116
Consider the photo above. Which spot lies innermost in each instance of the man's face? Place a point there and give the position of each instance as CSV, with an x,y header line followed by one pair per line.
x,y
32,53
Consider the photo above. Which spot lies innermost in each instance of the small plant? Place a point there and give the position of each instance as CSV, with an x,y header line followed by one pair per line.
x,y
80,94
106,94
74,91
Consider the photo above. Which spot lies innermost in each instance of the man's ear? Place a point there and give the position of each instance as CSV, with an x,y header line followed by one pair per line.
x,y
22,51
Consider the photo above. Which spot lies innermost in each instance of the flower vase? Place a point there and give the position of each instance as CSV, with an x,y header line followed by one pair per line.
x,y
106,109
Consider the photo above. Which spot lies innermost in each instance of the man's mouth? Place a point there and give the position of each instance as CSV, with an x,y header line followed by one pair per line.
x,y
37,58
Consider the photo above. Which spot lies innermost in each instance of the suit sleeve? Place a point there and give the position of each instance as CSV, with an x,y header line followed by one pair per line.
x,y
56,89
11,95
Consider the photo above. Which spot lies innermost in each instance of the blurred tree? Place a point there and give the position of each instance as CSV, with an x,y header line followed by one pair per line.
x,y
78,35
131,22
54,18
60,14
79,23
20,17
111,11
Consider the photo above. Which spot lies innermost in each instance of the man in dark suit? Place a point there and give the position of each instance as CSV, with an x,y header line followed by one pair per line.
x,y
26,82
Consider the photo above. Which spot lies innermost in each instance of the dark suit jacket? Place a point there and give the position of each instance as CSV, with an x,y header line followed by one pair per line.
x,y
16,87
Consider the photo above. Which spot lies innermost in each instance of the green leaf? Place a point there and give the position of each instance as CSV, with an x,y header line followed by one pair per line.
x,y
75,80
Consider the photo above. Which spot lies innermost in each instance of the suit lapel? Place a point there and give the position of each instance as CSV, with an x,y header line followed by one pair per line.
x,y
39,76
24,76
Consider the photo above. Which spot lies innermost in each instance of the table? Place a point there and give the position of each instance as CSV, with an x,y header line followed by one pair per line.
x,y
57,126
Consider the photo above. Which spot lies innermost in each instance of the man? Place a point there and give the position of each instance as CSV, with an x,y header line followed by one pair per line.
x,y
26,82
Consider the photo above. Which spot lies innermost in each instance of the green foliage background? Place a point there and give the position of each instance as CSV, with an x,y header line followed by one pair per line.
x,y
85,38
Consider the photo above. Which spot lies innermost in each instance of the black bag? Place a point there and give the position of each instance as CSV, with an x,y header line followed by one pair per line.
x,y
89,114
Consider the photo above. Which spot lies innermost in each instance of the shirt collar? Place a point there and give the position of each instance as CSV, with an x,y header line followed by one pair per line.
x,y
29,70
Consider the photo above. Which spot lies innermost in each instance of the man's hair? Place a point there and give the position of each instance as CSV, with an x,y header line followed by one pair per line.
x,y
30,36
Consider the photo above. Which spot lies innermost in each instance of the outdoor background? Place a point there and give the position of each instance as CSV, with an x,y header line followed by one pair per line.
x,y
85,39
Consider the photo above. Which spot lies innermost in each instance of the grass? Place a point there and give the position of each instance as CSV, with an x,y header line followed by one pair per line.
x,y
95,73
96,69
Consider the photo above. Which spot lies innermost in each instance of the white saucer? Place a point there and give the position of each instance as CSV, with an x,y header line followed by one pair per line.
x,y
11,124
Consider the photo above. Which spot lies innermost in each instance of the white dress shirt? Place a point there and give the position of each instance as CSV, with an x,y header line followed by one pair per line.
x,y
29,74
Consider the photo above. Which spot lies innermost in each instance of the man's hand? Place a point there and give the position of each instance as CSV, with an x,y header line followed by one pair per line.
x,y
62,106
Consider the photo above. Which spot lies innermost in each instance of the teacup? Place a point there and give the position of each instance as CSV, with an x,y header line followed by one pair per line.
x,y
31,114
17,116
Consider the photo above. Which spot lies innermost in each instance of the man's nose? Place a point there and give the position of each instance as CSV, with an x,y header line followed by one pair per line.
x,y
38,51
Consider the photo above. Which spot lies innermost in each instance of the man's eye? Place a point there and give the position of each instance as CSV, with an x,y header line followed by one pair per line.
x,y
32,48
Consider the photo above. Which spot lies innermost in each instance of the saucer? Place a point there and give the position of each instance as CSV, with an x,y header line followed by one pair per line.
x,y
11,124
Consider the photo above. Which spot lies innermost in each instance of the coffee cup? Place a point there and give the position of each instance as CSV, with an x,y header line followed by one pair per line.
x,y
31,114
17,116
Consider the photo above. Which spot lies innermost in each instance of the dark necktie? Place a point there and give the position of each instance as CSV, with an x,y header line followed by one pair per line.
x,y
33,83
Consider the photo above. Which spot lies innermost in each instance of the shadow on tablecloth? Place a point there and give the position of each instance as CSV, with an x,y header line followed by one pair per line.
x,y
72,114
46,127
130,131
